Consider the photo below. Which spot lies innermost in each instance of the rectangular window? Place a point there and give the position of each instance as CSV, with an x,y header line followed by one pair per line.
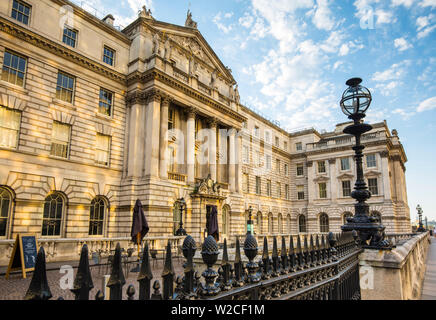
x,y
285,146
256,131
286,169
245,186
14,68
258,187
370,161
321,166
279,190
299,146
286,191
300,170
268,188
9,127
103,149
346,188
245,154
258,159
322,190
106,102
345,164
300,192
172,159
69,37
268,162
171,119
60,139
108,56
277,142
373,186
267,136
65,87
21,11
277,165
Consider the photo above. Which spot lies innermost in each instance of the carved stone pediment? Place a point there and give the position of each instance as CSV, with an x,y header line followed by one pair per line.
x,y
208,188
345,176
372,173
321,179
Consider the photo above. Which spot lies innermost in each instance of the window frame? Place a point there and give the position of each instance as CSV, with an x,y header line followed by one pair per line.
x,y
268,188
8,218
302,224
61,219
320,190
258,185
299,192
302,170
73,90
76,40
324,223
375,160
376,186
17,142
103,220
104,55
323,167
25,4
69,140
349,165
12,53
344,189
299,146
108,151
100,101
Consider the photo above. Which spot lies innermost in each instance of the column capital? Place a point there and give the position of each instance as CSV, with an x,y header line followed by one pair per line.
x,y
191,112
384,154
154,96
212,122
166,100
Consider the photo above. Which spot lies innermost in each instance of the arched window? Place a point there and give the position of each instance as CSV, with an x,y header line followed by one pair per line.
x,y
323,222
97,214
280,223
302,223
5,210
270,223
377,215
176,217
259,222
345,216
226,221
288,223
53,213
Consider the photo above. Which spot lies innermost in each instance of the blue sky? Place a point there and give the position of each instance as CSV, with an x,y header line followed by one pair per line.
x,y
291,59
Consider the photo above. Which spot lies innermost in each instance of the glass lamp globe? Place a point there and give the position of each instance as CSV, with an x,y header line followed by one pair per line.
x,y
355,99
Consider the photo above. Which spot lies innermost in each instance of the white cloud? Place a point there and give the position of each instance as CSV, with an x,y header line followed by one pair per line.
x,y
427,105
428,3
395,72
404,113
322,15
401,44
424,25
218,21
384,16
406,3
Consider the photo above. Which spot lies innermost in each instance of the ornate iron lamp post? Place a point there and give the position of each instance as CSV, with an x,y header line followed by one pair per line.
x,y
249,221
182,207
356,99
420,211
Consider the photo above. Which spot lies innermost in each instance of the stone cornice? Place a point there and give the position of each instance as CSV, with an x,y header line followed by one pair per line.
x,y
37,40
155,74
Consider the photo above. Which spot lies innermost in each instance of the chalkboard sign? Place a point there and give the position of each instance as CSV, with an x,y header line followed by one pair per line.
x,y
24,254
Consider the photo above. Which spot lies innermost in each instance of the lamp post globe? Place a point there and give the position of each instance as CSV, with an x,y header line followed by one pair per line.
x,y
182,207
354,103
420,211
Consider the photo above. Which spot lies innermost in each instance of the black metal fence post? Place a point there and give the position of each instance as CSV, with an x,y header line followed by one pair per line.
x,y
116,280
83,281
284,257
168,275
238,280
39,289
145,275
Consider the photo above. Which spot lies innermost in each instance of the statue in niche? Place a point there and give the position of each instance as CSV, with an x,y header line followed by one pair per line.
x,y
213,79
189,22
237,97
167,49
156,44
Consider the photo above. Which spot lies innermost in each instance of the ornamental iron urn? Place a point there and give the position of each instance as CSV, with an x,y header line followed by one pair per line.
x,y
209,253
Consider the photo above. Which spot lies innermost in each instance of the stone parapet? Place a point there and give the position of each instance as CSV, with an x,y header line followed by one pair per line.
x,y
395,274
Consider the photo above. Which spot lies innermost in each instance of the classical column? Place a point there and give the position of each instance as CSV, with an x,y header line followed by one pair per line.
x,y
232,160
136,137
163,169
190,144
238,165
152,135
212,148
385,176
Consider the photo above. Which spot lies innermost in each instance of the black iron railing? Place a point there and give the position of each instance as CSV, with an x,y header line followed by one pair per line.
x,y
315,268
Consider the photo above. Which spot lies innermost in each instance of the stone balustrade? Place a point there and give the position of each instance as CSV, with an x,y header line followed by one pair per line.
x,y
395,274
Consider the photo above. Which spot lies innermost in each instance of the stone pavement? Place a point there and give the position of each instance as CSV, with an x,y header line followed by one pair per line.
x,y
429,287
16,287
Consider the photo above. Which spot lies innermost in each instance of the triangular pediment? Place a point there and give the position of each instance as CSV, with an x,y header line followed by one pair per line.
x,y
192,43
345,176
372,173
321,179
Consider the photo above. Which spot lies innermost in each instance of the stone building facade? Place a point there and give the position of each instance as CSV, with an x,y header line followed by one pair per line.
x,y
93,118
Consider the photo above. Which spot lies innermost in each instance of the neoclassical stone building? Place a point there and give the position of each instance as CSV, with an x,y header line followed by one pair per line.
x,y
93,118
